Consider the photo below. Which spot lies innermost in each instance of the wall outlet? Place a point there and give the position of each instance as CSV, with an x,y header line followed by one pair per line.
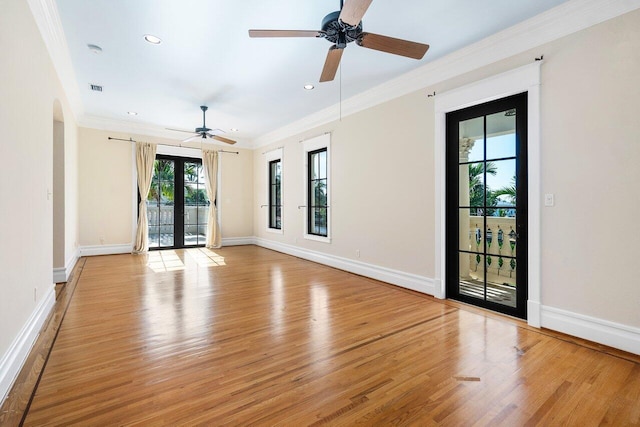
x,y
102,240
357,253
35,294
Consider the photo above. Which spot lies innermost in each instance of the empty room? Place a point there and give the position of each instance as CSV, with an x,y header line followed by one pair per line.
x,y
330,212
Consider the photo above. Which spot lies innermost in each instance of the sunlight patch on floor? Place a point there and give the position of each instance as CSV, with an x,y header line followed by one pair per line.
x,y
205,257
170,260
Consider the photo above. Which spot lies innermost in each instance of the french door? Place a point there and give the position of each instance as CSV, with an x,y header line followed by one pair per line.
x,y
486,202
177,204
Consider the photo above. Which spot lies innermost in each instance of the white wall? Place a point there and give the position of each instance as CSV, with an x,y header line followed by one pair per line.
x,y
58,195
28,89
105,177
590,152
236,193
383,177
381,187
107,182
71,196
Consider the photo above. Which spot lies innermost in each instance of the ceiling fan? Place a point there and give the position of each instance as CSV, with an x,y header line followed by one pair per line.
x,y
204,132
345,26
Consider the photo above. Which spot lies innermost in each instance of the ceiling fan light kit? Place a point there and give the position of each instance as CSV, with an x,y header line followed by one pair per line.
x,y
343,27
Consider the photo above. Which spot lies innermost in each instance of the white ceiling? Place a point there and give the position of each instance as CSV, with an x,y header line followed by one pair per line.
x,y
255,85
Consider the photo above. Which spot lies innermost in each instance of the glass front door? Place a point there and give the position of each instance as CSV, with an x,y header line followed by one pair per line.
x,y
177,204
487,205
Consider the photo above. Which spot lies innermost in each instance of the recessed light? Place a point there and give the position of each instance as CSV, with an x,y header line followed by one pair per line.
x,y
309,87
152,39
95,48
234,129
132,113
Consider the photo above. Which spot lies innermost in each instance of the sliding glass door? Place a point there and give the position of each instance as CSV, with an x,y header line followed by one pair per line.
x,y
177,204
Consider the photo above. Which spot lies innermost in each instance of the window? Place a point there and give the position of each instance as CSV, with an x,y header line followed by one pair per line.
x,y
275,194
317,188
317,192
274,164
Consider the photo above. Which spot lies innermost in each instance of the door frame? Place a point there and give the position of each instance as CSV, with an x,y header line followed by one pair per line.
x,y
522,79
454,249
168,150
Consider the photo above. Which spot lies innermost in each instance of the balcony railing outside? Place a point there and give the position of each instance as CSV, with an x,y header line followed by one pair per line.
x,y
161,224
499,264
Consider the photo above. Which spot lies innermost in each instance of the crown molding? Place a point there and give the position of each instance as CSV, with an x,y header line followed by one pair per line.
x,y
45,14
565,19
562,20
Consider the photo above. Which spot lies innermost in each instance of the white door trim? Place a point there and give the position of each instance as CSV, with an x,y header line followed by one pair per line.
x,y
519,80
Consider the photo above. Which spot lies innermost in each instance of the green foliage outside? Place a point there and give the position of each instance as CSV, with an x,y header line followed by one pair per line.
x,y
163,185
477,190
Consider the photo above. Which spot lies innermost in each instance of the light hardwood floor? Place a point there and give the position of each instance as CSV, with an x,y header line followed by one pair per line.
x,y
248,336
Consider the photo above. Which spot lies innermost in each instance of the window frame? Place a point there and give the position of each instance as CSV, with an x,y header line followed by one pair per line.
x,y
315,145
271,157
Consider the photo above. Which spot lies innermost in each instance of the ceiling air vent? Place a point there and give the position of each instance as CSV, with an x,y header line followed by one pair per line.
x,y
97,88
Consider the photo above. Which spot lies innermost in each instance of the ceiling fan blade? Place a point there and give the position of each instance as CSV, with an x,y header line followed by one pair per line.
x,y
222,139
331,64
180,130
285,33
191,138
392,45
353,11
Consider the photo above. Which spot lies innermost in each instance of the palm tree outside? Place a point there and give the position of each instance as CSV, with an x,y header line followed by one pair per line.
x,y
477,186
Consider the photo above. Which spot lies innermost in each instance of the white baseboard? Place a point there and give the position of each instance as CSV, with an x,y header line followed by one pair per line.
x,y
615,335
14,358
237,241
395,277
61,274
126,248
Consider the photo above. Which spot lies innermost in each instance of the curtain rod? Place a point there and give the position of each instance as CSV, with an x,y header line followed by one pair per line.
x,y
312,137
168,145
273,149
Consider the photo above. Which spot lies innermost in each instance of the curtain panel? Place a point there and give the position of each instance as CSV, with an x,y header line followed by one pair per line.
x,y
210,163
145,159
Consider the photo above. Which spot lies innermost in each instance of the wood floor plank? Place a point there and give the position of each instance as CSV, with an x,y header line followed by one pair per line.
x,y
248,336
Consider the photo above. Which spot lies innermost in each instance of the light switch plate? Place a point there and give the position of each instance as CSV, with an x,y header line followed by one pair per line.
x,y
549,199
